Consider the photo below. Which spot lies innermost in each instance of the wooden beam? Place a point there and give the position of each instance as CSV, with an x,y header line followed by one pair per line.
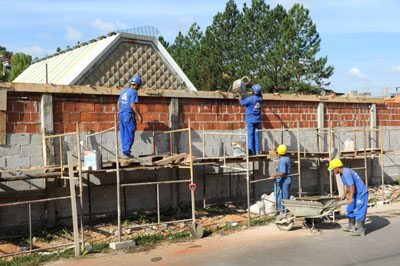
x,y
152,92
171,159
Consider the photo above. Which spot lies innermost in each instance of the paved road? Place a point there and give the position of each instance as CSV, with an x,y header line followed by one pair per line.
x,y
266,245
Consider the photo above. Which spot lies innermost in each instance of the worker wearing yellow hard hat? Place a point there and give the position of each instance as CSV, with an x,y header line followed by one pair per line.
x,y
358,197
282,177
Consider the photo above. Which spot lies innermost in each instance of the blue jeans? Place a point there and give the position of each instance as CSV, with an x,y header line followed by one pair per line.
x,y
358,209
127,125
254,140
281,189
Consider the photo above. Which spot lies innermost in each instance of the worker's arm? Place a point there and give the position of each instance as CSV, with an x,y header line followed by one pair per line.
x,y
351,194
344,192
118,106
134,107
277,175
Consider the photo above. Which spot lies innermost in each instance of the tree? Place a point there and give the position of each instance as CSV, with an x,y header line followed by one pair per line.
x,y
3,75
186,52
163,42
220,50
19,63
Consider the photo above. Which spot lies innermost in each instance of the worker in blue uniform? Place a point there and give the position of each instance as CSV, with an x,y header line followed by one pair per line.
x,y
128,110
282,177
253,118
358,197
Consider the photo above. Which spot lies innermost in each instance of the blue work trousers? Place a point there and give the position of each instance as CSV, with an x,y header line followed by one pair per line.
x,y
281,190
127,125
358,209
254,140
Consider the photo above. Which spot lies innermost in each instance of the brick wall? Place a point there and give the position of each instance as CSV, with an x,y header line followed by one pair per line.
x,y
347,114
388,114
96,113
23,113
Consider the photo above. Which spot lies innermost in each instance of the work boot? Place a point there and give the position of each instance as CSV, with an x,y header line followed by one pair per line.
x,y
360,229
352,225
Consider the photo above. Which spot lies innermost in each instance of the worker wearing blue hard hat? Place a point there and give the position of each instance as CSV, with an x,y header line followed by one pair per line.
x,y
253,118
128,109
358,197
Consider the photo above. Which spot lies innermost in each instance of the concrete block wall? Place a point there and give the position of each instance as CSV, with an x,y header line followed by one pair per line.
x,y
96,113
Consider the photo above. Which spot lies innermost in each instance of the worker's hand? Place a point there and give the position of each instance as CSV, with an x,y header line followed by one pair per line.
x,y
343,197
272,177
140,119
350,201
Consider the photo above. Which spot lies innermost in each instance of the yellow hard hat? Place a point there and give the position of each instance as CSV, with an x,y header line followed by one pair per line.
x,y
282,149
335,163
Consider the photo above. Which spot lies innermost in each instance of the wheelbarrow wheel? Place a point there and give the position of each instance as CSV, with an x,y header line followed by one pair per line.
x,y
284,222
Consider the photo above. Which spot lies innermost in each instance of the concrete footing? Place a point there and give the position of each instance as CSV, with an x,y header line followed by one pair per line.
x,y
123,244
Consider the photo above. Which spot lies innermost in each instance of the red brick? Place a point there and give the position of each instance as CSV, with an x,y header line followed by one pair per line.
x,y
18,106
155,117
20,128
98,107
164,117
74,117
146,117
10,128
110,107
69,107
89,117
35,117
85,107
12,117
33,128
159,108
151,107
9,106
143,108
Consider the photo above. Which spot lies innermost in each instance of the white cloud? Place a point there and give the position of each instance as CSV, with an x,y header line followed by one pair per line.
x,y
396,69
34,51
108,26
356,73
73,34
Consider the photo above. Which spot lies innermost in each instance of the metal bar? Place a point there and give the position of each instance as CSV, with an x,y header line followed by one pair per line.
x,y
170,144
60,135
359,168
154,142
78,149
61,156
155,183
330,156
266,179
220,133
365,157
247,176
299,159
357,130
204,142
234,168
382,164
35,250
32,201
158,203
73,204
169,222
118,177
171,131
30,226
101,132
191,174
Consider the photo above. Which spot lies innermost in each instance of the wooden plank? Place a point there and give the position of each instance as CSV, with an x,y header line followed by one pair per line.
x,y
73,203
170,159
3,133
3,100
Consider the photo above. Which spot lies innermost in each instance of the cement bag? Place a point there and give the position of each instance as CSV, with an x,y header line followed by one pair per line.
x,y
258,208
239,148
269,203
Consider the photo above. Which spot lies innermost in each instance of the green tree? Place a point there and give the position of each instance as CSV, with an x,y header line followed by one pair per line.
x,y
19,63
6,73
163,42
220,50
186,52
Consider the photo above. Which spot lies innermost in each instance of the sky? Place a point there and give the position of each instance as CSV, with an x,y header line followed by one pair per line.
x,y
361,38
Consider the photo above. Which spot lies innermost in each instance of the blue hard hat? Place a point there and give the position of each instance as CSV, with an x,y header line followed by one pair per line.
x,y
256,88
136,80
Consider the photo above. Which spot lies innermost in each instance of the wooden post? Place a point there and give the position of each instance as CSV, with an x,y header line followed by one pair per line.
x,y
191,174
73,203
382,162
330,157
299,159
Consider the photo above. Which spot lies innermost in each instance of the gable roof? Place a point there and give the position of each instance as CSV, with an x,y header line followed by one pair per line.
x,y
111,61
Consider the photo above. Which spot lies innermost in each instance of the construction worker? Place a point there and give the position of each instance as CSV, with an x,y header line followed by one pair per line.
x,y
358,197
253,118
128,109
282,177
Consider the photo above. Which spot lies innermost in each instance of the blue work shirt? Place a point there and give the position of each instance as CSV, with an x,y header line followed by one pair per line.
x,y
350,177
253,108
127,97
284,167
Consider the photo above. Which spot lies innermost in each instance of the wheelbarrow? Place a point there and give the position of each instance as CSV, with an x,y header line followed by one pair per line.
x,y
312,209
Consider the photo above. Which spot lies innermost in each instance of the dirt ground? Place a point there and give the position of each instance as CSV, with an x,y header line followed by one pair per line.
x,y
163,254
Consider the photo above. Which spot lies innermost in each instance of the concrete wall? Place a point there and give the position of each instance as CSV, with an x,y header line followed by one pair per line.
x,y
214,184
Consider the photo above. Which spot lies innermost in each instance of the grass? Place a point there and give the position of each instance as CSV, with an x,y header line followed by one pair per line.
x,y
35,259
396,181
